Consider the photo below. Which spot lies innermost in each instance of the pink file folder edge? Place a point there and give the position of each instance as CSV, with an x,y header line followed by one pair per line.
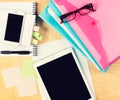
x,y
90,31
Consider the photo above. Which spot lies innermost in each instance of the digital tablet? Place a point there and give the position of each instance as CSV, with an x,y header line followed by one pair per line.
x,y
60,77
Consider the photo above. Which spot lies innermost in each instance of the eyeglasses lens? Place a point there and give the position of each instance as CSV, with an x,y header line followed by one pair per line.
x,y
84,11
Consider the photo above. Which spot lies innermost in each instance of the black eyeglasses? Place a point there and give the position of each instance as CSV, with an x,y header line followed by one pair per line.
x,y
72,15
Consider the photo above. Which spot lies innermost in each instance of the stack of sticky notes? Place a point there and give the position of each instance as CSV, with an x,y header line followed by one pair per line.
x,y
36,37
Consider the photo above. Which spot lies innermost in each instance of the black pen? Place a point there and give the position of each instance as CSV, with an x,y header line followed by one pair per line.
x,y
16,52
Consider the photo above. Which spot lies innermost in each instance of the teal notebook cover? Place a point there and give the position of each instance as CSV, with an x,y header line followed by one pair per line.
x,y
52,22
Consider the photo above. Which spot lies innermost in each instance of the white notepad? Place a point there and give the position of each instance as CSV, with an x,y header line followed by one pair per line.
x,y
30,10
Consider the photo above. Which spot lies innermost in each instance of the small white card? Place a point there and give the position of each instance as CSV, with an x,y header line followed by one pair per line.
x,y
27,87
11,76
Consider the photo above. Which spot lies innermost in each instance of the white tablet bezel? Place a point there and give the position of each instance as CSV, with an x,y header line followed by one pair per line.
x,y
43,90
6,13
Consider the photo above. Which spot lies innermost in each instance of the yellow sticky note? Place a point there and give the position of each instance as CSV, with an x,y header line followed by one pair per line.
x,y
34,41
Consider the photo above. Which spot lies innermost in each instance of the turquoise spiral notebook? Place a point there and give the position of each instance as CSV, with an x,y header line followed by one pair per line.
x,y
51,20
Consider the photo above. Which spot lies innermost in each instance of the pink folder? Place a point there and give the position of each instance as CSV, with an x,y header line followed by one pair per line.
x,y
99,30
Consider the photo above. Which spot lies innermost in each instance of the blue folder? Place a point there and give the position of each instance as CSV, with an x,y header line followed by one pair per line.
x,y
52,22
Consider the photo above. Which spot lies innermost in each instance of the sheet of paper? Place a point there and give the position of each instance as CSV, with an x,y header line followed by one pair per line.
x,y
27,69
104,28
26,87
24,6
85,68
11,76
28,29
50,48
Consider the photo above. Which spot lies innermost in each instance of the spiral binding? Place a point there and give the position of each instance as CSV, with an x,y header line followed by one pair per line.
x,y
35,11
35,50
34,8
35,47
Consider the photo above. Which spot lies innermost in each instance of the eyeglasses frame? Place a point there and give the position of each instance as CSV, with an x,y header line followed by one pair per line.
x,y
87,6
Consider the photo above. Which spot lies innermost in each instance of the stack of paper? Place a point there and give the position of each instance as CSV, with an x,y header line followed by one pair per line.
x,y
92,34
51,15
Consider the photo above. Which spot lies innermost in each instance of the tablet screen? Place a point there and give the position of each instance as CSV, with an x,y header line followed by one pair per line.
x,y
63,80
13,28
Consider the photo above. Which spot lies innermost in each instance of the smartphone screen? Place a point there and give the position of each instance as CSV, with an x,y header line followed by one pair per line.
x,y
63,79
13,28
